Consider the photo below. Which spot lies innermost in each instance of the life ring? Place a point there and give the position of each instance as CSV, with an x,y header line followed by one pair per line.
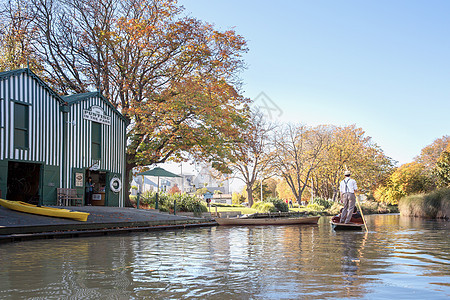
x,y
115,184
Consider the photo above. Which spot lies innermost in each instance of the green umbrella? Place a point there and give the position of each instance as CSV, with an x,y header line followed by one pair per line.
x,y
158,172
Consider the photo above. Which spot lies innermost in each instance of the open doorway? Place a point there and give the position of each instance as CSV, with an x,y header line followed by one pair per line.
x,y
23,182
99,180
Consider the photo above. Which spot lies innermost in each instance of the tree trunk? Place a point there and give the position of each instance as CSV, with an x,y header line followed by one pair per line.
x,y
128,178
299,197
250,195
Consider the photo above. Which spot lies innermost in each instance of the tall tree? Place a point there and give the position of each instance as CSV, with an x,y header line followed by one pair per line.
x,y
430,154
406,180
442,169
429,157
299,150
249,159
174,77
350,148
16,37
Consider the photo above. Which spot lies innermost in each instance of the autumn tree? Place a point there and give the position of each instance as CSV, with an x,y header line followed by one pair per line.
x,y
298,151
406,180
256,192
350,149
16,37
442,169
173,77
284,191
429,157
430,154
248,159
272,186
424,174
174,190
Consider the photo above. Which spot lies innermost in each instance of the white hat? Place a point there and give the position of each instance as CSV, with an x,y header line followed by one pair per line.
x,y
347,173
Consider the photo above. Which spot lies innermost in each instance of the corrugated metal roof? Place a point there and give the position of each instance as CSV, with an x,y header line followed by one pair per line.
x,y
13,72
79,97
71,99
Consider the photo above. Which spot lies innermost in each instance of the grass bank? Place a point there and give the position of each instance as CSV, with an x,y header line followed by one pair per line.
x,y
435,205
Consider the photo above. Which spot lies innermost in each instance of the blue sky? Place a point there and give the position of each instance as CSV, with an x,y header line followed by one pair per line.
x,y
382,65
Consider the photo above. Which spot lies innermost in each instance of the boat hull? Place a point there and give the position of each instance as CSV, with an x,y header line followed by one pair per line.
x,y
267,221
44,210
343,226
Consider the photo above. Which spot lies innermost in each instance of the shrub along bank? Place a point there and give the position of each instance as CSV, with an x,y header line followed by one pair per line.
x,y
169,203
191,203
434,205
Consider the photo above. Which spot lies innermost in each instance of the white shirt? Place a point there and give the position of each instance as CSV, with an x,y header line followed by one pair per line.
x,y
348,185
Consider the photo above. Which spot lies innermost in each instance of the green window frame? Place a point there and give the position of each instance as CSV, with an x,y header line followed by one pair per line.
x,y
21,126
96,138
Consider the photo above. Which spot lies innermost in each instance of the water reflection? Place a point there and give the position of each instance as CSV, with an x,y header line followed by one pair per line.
x,y
398,258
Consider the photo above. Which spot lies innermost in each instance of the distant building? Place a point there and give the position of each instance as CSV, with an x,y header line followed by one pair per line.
x,y
208,177
143,185
189,183
222,198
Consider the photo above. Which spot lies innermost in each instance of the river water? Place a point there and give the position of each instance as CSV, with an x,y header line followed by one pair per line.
x,y
399,258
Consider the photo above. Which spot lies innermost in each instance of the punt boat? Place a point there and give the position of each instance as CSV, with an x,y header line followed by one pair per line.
x,y
269,219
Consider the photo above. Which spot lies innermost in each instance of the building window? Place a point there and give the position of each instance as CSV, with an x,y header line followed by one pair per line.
x,y
96,140
20,126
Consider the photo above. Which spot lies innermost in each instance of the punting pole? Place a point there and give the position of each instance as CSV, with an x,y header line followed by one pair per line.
x,y
362,215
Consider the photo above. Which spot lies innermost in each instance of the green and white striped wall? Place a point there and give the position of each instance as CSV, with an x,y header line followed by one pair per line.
x,y
59,137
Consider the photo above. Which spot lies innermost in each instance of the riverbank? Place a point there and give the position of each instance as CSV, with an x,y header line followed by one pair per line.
x,y
435,205
18,226
368,207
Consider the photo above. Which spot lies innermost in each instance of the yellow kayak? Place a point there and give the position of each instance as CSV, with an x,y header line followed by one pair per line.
x,y
44,210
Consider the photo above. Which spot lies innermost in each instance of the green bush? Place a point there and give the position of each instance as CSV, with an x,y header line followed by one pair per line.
x,y
264,207
237,198
315,207
184,202
279,204
322,202
335,208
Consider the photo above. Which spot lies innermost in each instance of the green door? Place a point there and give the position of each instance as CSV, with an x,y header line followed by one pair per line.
x,y
3,178
49,183
113,189
78,181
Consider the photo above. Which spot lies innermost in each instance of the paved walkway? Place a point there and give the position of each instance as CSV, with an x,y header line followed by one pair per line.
x,y
16,225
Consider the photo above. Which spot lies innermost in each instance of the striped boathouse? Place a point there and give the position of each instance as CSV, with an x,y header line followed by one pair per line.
x,y
49,142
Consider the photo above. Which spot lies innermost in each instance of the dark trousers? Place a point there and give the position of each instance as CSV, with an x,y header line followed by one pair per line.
x,y
88,199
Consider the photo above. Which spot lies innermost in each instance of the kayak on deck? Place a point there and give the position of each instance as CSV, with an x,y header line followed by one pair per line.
x,y
44,210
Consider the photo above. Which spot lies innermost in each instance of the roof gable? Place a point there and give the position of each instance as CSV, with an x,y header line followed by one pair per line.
x,y
8,74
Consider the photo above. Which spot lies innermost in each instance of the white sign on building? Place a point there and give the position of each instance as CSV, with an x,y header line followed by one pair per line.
x,y
96,114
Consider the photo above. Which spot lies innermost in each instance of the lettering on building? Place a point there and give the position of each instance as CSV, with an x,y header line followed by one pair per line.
x,y
96,114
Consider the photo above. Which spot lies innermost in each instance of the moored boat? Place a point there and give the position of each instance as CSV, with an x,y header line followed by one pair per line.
x,y
44,210
263,219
